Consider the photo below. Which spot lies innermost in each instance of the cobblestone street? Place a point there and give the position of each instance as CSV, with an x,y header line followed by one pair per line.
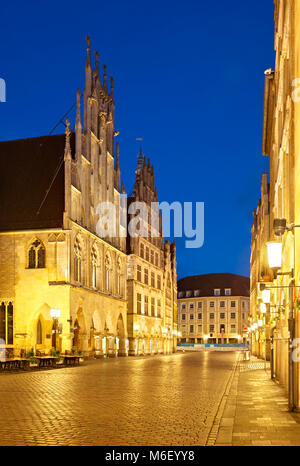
x,y
160,400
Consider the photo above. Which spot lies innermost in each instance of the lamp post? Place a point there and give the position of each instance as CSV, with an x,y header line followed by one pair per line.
x,y
55,314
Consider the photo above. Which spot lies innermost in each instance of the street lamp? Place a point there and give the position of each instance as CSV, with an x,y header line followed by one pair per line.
x,y
263,308
274,254
266,296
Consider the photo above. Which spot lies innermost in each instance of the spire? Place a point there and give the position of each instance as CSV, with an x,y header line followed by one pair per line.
x,y
112,86
88,53
140,159
67,154
97,62
78,125
78,116
104,78
118,157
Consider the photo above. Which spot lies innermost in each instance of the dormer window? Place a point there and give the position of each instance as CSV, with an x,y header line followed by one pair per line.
x,y
217,292
227,291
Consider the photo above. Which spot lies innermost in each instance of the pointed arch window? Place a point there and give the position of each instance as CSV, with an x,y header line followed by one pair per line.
x,y
36,256
7,322
39,333
94,262
107,273
119,278
78,261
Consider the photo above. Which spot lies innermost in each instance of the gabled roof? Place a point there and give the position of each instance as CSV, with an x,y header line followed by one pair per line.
x,y
27,169
206,284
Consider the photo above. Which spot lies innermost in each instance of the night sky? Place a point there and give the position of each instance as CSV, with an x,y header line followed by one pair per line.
x,y
189,79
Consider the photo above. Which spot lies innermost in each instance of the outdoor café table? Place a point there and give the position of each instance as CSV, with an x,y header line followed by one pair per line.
x,y
71,360
46,361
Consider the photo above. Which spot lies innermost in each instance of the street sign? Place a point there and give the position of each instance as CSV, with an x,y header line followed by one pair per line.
x,y
245,330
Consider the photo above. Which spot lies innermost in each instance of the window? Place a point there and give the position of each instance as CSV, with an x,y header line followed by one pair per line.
x,y
191,316
188,294
78,260
243,304
153,307
232,315
211,329
146,305
107,273
94,261
152,256
232,304
191,305
159,308
159,282
183,317
139,273
183,306
6,322
199,304
211,304
199,316
118,277
152,279
146,276
39,333
36,256
191,329
199,328
222,303
197,293
243,316
156,259
147,254
139,303
227,291
211,316
217,292
232,329
142,251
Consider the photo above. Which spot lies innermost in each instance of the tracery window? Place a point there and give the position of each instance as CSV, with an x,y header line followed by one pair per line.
x,y
36,255
78,260
94,261
107,273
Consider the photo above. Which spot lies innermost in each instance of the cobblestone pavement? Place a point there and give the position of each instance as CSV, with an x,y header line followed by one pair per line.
x,y
256,412
160,400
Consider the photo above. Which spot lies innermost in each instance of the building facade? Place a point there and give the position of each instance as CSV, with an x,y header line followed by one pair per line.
x,y
213,308
152,279
281,143
62,284
260,272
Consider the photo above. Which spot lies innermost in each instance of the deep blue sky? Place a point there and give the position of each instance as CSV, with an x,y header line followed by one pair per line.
x,y
189,79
